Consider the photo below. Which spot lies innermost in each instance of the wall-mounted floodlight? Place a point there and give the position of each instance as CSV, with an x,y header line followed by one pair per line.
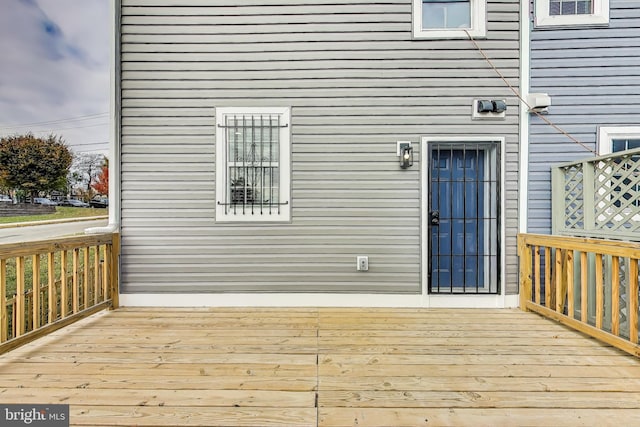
x,y
499,106
493,106
489,109
484,106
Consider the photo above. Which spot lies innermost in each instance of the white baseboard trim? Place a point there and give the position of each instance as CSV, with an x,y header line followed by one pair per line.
x,y
318,300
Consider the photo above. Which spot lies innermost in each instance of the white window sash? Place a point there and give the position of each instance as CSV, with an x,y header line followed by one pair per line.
x,y
478,23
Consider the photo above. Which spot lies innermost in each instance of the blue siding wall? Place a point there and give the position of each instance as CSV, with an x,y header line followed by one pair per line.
x,y
593,77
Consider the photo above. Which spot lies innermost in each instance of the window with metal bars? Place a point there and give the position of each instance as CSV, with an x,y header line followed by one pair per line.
x,y
252,161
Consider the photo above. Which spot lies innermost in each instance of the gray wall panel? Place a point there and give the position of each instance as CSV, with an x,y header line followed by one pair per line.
x,y
356,82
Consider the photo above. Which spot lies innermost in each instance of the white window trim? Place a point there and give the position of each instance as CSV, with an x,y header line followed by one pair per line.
x,y
600,15
284,165
478,23
606,135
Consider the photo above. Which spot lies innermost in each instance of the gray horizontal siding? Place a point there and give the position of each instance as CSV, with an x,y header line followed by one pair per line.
x,y
355,81
593,78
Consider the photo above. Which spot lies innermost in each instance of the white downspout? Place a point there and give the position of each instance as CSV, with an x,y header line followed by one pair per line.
x,y
114,132
523,191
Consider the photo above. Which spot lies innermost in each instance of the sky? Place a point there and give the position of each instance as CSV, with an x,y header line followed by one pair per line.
x,y
54,71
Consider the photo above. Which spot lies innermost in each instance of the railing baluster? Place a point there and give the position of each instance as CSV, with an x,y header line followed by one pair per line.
x,y
548,291
570,285
51,287
75,280
615,295
583,287
85,279
64,297
599,292
96,274
536,272
559,281
35,283
20,303
632,305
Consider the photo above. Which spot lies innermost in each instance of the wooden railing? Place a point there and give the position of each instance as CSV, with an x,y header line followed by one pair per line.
x,y
588,284
45,285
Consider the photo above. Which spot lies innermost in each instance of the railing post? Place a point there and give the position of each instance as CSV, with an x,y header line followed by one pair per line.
x,y
114,269
588,196
525,255
4,319
558,221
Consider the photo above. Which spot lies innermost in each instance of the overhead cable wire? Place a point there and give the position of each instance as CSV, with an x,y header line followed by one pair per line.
x,y
58,121
517,94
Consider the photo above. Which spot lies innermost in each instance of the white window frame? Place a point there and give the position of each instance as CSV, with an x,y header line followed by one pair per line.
x,y
600,15
604,146
606,135
282,213
478,23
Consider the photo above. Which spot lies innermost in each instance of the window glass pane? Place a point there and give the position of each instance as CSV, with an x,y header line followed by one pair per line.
x,y
253,149
438,14
624,144
570,7
583,7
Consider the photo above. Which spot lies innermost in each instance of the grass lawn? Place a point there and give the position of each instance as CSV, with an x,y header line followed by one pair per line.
x,y
62,212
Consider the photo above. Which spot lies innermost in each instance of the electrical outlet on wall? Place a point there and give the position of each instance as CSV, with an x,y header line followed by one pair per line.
x,y
362,263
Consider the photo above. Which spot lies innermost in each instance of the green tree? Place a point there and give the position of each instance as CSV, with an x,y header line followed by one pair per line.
x,y
33,164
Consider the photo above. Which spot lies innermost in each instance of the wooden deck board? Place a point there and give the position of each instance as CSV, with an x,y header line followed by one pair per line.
x,y
327,367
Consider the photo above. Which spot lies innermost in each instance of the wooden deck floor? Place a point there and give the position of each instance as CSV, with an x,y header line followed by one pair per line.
x,y
328,367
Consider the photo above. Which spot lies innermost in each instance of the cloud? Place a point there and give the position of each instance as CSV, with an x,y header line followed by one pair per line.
x,y
55,66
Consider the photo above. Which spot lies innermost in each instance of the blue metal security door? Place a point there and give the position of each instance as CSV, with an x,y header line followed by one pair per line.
x,y
463,218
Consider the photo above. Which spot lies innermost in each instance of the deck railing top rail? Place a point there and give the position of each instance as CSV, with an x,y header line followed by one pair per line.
x,y
598,196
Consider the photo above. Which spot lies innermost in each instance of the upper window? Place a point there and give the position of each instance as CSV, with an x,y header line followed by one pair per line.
x,y
571,12
614,139
449,18
252,164
625,190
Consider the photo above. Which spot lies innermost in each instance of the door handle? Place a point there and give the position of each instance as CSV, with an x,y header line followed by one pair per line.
x,y
435,218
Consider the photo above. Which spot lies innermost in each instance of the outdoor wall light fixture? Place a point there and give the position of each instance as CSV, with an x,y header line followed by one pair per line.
x,y
494,106
405,151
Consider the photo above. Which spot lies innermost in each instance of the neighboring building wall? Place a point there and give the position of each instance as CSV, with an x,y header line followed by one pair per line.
x,y
591,74
356,83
